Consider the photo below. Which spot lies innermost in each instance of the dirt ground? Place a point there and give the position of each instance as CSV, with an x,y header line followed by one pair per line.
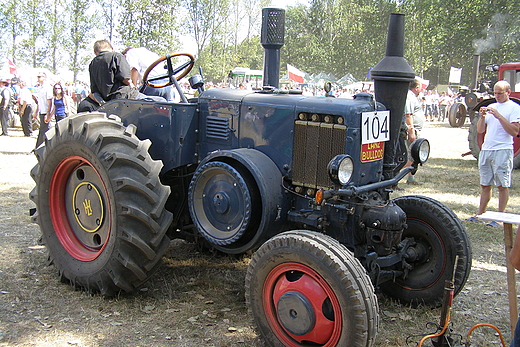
x,y
197,298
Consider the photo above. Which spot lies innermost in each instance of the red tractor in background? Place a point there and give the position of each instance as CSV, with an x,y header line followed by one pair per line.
x,y
511,73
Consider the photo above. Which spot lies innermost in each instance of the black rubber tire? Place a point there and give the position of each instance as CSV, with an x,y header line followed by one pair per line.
x,y
315,258
436,227
92,154
471,100
457,115
473,138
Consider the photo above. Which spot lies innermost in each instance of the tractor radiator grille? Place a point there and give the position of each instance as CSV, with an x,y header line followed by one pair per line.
x,y
315,144
217,128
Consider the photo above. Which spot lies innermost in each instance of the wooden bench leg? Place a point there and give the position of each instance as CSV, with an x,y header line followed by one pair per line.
x,y
511,279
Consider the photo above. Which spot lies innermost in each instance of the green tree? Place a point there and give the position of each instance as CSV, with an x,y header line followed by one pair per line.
x,y
251,54
149,23
10,27
252,19
336,36
81,26
206,20
110,11
56,33
441,34
331,36
33,46
499,41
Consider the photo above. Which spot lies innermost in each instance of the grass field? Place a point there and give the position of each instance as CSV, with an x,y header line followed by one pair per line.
x,y
197,298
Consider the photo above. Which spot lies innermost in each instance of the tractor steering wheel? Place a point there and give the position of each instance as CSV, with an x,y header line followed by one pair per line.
x,y
183,69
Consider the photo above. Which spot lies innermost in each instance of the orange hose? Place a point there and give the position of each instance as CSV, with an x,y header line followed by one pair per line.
x,y
438,334
486,325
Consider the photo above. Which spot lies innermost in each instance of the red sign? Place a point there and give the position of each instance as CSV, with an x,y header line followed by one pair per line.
x,y
372,151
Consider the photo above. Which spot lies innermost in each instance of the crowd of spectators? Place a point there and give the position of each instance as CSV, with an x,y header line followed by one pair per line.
x,y
25,111
435,106
23,108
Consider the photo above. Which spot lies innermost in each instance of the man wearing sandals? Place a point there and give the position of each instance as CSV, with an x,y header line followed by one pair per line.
x,y
500,121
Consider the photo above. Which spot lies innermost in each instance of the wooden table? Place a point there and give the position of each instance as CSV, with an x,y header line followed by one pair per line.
x,y
508,219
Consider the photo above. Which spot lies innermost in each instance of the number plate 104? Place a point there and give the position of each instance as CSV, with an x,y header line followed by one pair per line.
x,y
375,127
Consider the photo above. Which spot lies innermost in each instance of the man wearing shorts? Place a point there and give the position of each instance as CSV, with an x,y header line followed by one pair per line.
x,y
501,122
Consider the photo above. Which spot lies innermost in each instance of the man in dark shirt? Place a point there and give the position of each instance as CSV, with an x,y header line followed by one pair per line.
x,y
5,104
110,79
110,74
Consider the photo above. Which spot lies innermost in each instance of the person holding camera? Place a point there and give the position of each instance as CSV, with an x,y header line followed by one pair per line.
x,y
501,122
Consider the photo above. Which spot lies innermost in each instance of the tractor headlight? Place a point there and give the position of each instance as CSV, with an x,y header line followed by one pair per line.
x,y
420,151
340,169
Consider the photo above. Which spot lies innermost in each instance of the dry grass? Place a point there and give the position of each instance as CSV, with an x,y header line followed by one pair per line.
x,y
197,298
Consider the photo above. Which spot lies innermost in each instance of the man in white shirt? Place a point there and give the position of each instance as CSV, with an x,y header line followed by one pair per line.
x,y
44,96
501,122
139,60
414,120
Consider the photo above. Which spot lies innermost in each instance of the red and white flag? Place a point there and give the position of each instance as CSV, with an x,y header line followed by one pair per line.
x,y
295,74
424,83
12,68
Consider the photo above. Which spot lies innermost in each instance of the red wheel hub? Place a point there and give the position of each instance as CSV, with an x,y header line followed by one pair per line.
x,y
77,202
301,307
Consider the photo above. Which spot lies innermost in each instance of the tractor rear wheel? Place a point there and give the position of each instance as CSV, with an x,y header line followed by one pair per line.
x,y
100,204
457,115
475,139
304,288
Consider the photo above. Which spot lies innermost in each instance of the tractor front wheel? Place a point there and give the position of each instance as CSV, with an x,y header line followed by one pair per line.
x,y
440,235
306,289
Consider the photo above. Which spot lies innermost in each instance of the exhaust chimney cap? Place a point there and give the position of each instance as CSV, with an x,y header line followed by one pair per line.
x,y
273,27
393,66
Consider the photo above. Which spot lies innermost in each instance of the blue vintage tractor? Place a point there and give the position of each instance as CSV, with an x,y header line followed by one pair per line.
x,y
305,182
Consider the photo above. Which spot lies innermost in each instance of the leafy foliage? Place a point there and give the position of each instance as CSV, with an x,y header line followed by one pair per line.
x,y
81,25
149,23
56,32
331,36
441,34
110,12
31,45
10,23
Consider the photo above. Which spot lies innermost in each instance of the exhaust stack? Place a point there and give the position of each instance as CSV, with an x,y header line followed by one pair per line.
x,y
392,76
272,39
474,76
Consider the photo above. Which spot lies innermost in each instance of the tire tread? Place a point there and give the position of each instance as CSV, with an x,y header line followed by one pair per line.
x,y
133,177
346,269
